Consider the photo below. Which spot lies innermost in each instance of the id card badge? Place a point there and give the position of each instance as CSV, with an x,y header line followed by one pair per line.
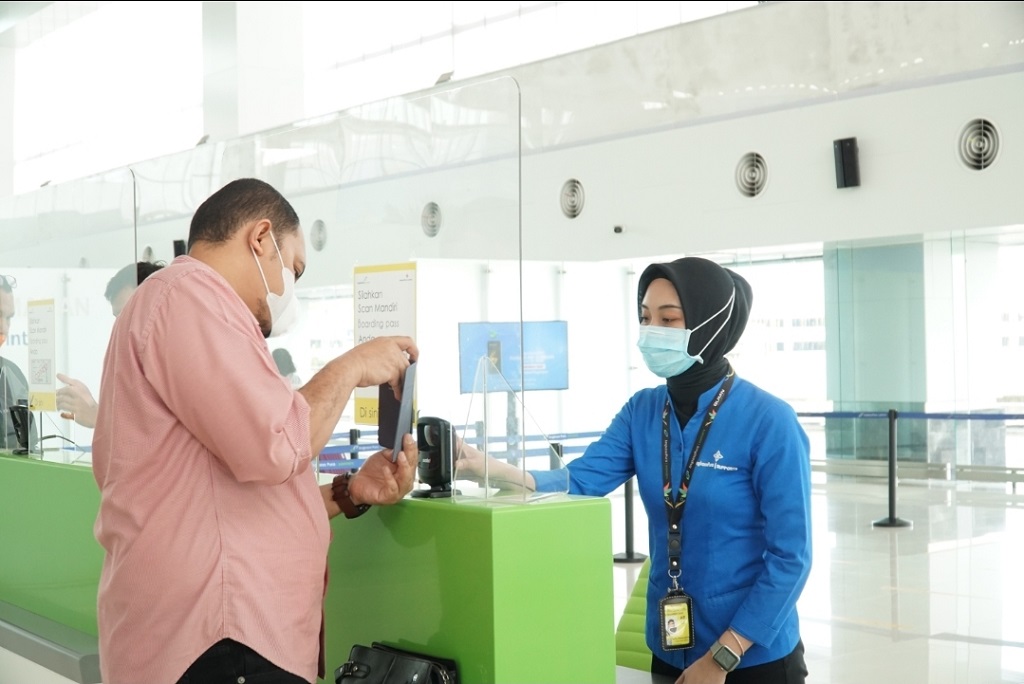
x,y
676,621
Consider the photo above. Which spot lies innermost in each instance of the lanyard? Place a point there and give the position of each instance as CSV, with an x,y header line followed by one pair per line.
x,y
674,503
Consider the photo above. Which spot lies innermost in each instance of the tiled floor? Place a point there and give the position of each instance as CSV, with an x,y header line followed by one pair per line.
x,y
940,602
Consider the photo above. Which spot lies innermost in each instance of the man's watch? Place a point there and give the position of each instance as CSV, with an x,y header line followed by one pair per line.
x,y
339,492
724,656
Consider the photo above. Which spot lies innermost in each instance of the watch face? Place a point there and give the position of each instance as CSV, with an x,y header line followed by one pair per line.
x,y
726,658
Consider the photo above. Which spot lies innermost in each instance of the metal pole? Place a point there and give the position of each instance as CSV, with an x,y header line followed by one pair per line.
x,y
892,520
353,439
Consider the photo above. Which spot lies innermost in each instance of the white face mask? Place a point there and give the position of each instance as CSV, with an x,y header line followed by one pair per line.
x,y
284,307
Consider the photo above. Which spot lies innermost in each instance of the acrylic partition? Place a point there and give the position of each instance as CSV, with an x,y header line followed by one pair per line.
x,y
411,213
65,251
502,451
410,208
63,247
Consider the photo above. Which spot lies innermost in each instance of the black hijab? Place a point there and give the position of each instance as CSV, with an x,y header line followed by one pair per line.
x,y
704,288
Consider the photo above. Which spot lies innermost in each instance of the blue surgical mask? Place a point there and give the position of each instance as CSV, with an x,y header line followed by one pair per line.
x,y
665,350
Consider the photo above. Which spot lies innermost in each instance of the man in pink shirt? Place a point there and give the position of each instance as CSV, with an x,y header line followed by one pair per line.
x,y
214,525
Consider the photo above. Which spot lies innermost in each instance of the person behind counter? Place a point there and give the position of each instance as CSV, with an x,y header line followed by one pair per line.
x,y
729,455
13,383
75,401
285,365
214,528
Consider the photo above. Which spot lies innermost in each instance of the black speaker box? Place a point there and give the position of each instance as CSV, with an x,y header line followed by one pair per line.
x,y
23,422
847,166
436,440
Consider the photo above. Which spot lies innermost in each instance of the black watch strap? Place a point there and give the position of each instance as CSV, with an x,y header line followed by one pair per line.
x,y
339,492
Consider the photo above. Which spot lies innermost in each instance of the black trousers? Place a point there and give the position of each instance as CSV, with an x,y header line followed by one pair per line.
x,y
788,670
229,662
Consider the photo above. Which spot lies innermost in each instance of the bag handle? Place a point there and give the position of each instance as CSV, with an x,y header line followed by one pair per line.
x,y
352,669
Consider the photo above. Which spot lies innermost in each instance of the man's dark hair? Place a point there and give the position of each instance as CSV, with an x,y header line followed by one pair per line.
x,y
131,276
237,203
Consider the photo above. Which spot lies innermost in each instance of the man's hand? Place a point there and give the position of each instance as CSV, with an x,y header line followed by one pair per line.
x,y
381,360
380,481
75,402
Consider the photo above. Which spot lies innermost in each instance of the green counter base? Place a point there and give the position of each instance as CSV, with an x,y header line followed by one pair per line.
x,y
512,592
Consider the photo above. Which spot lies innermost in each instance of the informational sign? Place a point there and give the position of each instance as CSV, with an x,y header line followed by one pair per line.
x,y
42,346
539,362
385,304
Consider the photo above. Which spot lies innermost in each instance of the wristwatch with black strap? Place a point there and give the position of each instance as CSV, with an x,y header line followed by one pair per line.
x,y
339,492
726,658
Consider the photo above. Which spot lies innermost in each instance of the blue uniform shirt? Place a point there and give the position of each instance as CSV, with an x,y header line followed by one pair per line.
x,y
746,527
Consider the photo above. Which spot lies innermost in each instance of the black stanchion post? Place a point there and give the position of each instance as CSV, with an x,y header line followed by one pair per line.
x,y
353,439
629,556
478,426
892,520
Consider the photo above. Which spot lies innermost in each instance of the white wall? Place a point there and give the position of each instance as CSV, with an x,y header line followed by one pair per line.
x,y
673,191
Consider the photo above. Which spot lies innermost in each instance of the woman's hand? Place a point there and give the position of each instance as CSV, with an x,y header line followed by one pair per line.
x,y
472,464
704,670
468,461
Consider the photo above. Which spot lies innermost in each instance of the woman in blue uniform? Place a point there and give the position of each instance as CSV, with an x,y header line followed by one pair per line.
x,y
723,470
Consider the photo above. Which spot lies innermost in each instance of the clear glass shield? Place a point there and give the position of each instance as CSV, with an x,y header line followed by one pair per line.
x,y
411,212
423,232
65,249
501,452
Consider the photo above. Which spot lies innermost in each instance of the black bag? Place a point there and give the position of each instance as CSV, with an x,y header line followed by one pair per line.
x,y
381,664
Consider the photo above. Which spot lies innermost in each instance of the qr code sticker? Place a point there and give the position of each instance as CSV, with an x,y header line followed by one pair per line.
x,y
41,371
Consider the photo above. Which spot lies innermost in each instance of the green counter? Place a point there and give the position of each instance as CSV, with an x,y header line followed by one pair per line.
x,y
50,561
514,592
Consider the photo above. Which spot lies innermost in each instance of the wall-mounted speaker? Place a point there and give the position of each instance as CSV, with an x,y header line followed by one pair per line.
x,y
572,198
979,144
180,248
430,219
318,235
847,166
751,174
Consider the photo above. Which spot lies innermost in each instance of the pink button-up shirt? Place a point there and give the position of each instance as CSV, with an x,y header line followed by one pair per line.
x,y
212,519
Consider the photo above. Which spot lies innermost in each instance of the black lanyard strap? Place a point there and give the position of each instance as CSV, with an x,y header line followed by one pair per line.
x,y
674,503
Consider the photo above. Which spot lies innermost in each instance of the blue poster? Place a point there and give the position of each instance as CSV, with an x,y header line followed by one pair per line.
x,y
540,362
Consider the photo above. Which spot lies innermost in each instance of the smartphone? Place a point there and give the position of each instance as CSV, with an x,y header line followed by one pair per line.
x,y
394,416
